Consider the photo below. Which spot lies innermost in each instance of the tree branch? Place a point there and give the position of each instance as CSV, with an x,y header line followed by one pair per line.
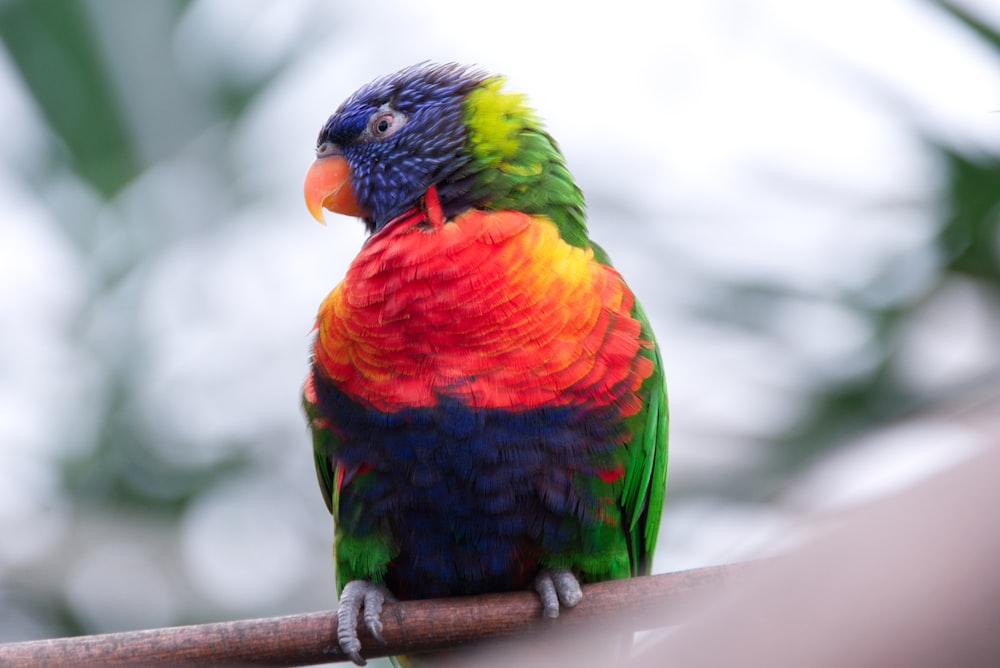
x,y
409,627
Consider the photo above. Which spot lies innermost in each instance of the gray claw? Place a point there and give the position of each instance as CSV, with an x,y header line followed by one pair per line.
x,y
557,586
359,594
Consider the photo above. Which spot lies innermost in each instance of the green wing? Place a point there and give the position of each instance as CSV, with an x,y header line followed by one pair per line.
x,y
324,444
646,470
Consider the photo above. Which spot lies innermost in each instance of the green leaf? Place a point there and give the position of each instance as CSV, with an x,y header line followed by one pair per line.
x,y
55,49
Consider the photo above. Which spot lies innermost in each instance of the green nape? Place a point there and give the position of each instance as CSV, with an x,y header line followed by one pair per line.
x,y
516,164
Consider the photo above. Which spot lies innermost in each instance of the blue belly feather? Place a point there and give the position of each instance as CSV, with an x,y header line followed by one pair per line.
x,y
472,498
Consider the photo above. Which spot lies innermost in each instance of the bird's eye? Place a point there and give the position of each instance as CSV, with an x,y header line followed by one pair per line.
x,y
381,124
384,122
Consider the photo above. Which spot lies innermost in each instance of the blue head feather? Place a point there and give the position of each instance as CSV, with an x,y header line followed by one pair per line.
x,y
389,174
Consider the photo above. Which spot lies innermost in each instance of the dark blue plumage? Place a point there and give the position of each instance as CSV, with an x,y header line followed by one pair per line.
x,y
505,477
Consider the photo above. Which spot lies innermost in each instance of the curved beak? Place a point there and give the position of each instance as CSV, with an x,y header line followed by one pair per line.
x,y
328,186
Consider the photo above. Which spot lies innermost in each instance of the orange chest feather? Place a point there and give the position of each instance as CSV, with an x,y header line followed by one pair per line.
x,y
492,308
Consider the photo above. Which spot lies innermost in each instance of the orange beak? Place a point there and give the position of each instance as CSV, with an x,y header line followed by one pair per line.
x,y
328,186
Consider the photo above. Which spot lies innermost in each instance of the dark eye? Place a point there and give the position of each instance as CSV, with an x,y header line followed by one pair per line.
x,y
381,124
384,122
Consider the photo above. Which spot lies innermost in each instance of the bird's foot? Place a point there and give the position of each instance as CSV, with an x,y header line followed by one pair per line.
x,y
557,586
360,594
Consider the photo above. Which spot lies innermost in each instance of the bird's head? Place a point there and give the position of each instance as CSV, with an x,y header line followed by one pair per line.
x,y
448,126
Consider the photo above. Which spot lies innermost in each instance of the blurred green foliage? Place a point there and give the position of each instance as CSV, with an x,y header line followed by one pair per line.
x,y
60,59
66,60
969,242
969,237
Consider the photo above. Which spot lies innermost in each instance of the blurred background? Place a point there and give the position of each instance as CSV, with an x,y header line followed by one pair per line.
x,y
805,196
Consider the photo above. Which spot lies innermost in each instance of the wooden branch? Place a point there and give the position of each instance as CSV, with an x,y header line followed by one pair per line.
x,y
409,627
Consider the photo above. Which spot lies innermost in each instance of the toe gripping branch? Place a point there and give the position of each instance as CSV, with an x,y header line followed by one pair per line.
x,y
557,588
360,594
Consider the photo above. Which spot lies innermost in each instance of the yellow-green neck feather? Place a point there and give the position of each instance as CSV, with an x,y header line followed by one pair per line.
x,y
516,165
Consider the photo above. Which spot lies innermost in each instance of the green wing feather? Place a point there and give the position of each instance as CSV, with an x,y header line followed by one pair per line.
x,y
646,470
323,446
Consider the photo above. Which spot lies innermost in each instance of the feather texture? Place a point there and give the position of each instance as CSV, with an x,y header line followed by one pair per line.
x,y
492,309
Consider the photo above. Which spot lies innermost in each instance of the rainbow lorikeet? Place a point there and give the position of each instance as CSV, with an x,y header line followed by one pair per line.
x,y
486,397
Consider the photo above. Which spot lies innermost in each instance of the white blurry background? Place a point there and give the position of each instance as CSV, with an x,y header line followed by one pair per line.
x,y
803,195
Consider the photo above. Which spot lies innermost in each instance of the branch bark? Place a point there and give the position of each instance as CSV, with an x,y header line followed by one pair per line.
x,y
409,627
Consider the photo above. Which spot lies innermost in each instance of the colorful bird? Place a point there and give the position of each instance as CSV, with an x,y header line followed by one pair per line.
x,y
486,397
